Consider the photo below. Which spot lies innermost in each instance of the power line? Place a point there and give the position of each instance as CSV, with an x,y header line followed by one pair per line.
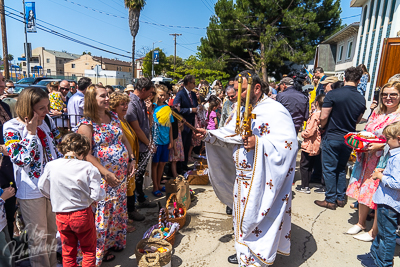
x,y
38,26
71,32
207,6
187,48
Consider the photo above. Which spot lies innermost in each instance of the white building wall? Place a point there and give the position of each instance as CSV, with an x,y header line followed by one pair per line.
x,y
369,52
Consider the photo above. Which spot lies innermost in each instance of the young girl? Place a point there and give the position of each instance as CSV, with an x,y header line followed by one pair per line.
x,y
310,146
73,185
162,136
212,116
177,154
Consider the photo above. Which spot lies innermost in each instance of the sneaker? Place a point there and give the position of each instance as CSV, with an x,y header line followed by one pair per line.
x,y
136,216
366,256
321,190
305,190
146,205
369,263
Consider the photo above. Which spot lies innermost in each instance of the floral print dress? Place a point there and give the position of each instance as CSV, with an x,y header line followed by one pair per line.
x,y
111,214
56,101
361,186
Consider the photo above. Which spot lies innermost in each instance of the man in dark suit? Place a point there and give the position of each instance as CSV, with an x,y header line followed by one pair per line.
x,y
187,102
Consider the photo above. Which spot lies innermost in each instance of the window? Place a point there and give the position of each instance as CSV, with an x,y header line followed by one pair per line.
x,y
129,69
349,49
73,75
47,60
24,64
60,61
73,66
49,71
140,73
86,63
340,54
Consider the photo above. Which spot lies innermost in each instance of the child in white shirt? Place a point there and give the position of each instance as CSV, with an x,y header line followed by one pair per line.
x,y
72,185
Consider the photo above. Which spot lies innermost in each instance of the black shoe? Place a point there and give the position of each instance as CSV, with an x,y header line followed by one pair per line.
x,y
228,210
146,205
136,216
369,263
321,190
233,259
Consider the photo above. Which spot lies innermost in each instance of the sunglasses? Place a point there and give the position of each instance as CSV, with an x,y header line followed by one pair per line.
x,y
10,86
64,88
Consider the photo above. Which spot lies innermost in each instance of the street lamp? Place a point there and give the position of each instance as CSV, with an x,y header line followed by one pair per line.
x,y
152,60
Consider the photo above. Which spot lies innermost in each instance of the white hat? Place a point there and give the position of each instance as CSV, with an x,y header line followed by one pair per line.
x,y
129,87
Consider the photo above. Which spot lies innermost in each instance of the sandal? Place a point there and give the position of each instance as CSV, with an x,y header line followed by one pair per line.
x,y
157,193
163,189
117,249
131,229
108,257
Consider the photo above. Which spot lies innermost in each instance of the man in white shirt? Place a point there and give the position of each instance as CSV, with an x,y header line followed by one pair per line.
x,y
76,102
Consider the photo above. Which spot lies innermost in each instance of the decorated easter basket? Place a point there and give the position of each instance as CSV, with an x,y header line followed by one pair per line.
x,y
198,178
164,257
360,141
181,220
163,223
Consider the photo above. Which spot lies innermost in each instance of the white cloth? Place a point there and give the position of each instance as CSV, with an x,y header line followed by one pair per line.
x,y
28,155
71,184
259,180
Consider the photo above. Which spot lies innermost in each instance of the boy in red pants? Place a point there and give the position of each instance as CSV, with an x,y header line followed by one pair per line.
x,y
73,185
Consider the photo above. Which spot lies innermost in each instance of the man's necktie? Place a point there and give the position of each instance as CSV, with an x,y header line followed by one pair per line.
x,y
190,97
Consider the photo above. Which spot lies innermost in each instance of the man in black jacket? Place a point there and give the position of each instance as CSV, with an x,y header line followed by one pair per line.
x,y
186,102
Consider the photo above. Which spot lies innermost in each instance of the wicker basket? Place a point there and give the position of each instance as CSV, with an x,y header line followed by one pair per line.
x,y
155,242
198,178
181,220
162,222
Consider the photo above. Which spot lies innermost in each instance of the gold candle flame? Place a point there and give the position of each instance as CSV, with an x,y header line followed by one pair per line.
x,y
246,109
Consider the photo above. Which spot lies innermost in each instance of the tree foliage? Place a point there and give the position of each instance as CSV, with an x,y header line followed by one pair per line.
x,y
261,35
205,69
158,68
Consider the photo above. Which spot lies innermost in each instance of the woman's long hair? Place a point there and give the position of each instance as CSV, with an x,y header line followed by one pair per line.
x,y
365,71
382,109
211,106
90,109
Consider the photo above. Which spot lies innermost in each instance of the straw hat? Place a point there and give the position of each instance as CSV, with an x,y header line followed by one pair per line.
x,y
129,87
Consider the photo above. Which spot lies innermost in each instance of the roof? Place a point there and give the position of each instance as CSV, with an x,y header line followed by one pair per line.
x,y
141,58
343,33
357,3
112,61
63,54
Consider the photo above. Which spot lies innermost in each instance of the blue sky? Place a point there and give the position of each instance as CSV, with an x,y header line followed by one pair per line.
x,y
115,31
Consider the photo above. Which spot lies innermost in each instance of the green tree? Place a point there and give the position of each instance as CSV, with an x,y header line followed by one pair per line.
x,y
10,57
202,69
158,68
260,35
134,6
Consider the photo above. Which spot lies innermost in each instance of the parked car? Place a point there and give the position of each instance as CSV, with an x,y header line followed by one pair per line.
x,y
47,81
19,87
31,80
120,87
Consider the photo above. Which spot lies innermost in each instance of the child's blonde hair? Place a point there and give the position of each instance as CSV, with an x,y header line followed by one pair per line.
x,y
392,130
159,87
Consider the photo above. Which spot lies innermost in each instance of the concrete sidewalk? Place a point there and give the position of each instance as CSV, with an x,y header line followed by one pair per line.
x,y
318,237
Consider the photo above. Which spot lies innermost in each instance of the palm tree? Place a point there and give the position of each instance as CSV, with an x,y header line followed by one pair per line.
x,y
135,6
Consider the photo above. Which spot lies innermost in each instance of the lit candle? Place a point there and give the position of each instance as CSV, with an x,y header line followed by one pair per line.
x,y
246,109
239,98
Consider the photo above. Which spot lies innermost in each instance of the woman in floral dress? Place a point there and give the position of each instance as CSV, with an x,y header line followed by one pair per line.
x,y
361,186
113,156
57,103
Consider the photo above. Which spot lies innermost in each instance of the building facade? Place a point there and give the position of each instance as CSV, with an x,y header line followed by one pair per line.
x,y
379,20
138,69
47,62
336,53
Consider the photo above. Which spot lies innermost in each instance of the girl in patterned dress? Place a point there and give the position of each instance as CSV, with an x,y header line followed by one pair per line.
x,y
176,154
57,101
361,186
112,154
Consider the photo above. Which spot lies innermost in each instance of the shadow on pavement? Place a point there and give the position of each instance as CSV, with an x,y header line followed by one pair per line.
x,y
302,248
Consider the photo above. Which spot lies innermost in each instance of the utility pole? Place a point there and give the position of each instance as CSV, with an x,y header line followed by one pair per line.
x,y
27,53
4,40
175,34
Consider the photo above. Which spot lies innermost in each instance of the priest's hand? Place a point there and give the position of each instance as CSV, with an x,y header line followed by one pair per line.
x,y
201,133
249,142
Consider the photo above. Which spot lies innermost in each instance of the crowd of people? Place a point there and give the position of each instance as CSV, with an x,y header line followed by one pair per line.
x,y
88,185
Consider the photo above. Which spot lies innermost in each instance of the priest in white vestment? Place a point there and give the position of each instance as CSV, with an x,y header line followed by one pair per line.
x,y
257,183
